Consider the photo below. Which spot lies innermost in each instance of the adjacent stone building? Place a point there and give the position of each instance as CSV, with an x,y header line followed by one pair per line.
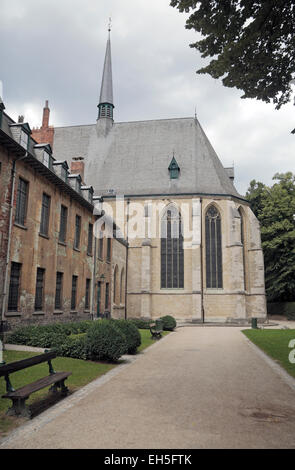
x,y
194,243
52,265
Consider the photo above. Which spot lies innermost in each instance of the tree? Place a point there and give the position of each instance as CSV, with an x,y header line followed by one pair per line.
x,y
254,195
275,209
252,42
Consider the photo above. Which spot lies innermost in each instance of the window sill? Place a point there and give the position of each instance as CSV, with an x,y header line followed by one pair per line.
x,y
90,254
23,227
87,310
73,312
43,235
58,312
76,249
100,259
39,313
62,243
13,314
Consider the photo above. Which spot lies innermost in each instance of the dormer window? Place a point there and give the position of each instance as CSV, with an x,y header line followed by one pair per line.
x,y
24,139
64,173
46,159
174,169
78,186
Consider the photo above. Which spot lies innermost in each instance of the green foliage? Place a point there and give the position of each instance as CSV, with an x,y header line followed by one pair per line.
x,y
37,336
131,333
71,346
44,336
141,323
252,44
104,341
282,308
168,322
275,210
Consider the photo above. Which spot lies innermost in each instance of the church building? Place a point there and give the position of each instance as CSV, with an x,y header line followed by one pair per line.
x,y
194,247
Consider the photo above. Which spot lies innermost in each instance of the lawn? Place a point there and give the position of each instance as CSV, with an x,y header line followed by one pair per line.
x,y
146,339
275,343
83,372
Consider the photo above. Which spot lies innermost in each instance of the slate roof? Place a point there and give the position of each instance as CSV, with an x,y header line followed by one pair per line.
x,y
133,157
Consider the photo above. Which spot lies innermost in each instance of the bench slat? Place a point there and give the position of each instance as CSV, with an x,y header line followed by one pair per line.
x,y
31,361
25,391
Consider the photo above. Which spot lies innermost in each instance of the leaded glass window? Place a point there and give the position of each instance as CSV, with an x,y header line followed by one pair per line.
x,y
213,249
14,287
74,292
58,291
45,215
21,202
172,259
77,232
39,289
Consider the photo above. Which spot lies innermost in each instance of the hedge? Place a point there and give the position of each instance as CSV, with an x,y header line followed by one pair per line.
x,y
168,322
43,336
131,333
104,341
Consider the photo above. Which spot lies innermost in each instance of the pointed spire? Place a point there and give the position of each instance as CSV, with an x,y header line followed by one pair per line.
x,y
106,101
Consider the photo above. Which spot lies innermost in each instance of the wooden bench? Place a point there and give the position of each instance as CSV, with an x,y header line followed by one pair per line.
x,y
156,329
19,396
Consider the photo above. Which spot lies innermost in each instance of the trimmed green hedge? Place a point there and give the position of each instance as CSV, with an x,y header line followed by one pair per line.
x,y
44,336
131,333
169,323
104,341
141,323
73,346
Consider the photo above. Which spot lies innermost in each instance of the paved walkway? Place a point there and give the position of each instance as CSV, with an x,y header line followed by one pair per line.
x,y
196,388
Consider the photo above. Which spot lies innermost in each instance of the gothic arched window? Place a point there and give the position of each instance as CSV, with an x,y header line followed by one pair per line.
x,y
213,249
172,260
115,285
243,244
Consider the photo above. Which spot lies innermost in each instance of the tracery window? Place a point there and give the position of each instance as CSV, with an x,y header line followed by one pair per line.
x,y
172,259
214,278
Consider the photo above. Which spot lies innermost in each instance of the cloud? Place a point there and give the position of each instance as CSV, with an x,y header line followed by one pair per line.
x,y
55,50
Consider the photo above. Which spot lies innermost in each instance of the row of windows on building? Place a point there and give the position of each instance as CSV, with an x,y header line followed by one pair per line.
x,y
21,214
15,283
172,255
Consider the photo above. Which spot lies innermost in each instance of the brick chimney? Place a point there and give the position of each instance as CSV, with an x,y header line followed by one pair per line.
x,y
44,134
46,113
77,167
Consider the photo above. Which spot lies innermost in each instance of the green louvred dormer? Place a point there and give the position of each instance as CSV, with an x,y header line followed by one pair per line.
x,y
174,169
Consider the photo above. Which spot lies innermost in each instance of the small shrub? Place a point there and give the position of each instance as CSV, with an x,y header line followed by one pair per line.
x,y
168,322
131,332
104,341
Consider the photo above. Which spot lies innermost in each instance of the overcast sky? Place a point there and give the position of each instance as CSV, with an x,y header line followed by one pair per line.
x,y
54,49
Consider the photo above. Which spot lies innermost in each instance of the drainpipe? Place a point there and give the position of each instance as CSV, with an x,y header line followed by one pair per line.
x,y
93,284
202,264
13,177
127,252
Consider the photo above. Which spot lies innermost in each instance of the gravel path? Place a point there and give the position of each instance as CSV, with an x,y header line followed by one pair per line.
x,y
196,388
